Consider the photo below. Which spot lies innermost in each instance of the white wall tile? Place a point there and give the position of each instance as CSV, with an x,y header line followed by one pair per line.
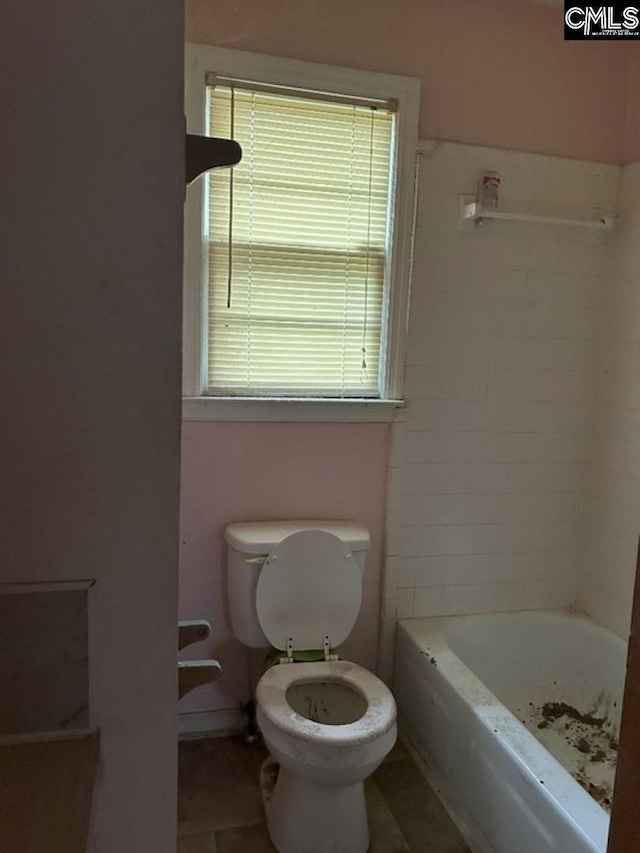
x,y
579,290
434,571
423,541
518,184
426,509
398,445
484,509
390,577
429,601
551,417
542,353
569,386
515,478
428,446
405,603
508,318
440,348
559,506
431,479
551,592
392,534
386,649
475,447
560,321
469,383
406,578
606,580
509,328
446,415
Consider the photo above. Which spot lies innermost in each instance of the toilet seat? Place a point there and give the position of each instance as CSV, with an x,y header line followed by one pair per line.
x,y
309,587
272,699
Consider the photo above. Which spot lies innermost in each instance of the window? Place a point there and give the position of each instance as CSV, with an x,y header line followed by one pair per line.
x,y
297,245
296,273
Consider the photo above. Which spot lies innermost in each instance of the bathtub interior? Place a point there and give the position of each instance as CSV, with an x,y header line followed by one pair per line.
x,y
561,676
503,783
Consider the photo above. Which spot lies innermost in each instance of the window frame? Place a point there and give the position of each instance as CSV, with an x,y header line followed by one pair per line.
x,y
204,60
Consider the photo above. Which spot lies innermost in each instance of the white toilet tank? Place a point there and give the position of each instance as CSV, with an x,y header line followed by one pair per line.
x,y
250,544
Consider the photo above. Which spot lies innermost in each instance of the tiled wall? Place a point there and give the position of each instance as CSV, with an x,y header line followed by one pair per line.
x,y
606,584
487,489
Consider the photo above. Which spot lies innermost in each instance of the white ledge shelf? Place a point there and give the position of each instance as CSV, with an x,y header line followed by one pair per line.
x,y
472,213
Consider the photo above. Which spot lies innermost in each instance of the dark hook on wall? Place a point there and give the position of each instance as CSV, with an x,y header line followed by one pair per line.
x,y
203,153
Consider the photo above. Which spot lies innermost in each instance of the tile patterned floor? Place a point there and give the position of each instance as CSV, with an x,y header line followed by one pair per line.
x,y
220,809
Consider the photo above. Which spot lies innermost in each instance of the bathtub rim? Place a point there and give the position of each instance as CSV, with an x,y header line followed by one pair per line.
x,y
427,635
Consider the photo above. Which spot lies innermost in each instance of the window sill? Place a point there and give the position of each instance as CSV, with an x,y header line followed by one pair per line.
x,y
286,410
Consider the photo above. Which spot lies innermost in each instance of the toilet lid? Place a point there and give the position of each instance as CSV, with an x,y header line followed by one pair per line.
x,y
310,585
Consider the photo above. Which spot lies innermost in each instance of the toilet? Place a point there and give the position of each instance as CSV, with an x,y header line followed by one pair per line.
x,y
296,586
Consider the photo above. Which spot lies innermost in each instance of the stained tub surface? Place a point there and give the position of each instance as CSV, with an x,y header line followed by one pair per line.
x,y
516,715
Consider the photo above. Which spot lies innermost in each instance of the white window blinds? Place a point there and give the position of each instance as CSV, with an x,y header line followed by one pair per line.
x,y
297,237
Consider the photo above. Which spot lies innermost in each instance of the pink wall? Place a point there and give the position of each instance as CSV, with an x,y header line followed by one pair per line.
x,y
261,471
496,72
92,176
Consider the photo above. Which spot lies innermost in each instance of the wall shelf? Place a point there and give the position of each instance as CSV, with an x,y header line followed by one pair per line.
x,y
203,153
472,214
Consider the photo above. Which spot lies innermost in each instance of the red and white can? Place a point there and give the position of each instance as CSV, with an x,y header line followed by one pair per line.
x,y
489,190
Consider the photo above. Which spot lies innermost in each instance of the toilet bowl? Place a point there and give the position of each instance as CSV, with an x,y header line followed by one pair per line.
x,y
328,725
297,586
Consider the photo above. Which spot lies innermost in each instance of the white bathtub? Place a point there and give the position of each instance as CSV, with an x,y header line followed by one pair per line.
x,y
469,692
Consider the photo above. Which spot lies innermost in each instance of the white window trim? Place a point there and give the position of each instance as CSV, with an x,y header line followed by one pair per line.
x,y
203,59
287,409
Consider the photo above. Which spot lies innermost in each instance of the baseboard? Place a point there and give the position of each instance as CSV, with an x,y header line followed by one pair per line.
x,y
208,724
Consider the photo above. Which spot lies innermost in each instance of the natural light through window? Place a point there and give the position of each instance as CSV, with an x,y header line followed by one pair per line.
x,y
298,259
298,241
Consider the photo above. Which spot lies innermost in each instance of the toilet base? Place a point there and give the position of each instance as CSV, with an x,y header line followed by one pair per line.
x,y
303,818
